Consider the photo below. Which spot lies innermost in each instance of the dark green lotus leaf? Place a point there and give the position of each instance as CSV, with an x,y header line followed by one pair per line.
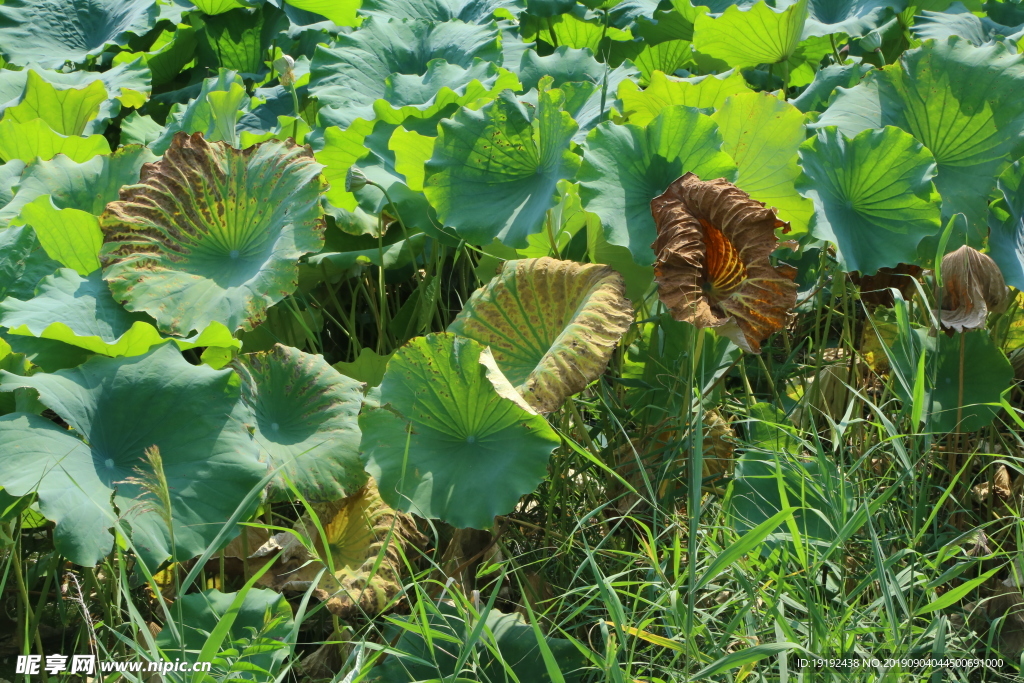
x,y
873,195
117,408
81,312
626,166
469,11
212,233
983,377
494,173
551,325
305,413
962,102
852,17
976,30
23,263
452,439
351,74
262,625
239,39
511,644
57,31
1007,226
215,113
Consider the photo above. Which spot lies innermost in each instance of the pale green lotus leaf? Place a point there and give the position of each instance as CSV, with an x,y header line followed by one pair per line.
x,y
749,37
305,423
70,236
71,111
976,30
495,171
762,134
1006,224
452,439
469,11
128,83
552,325
34,139
221,103
350,75
215,7
961,102
667,57
117,408
818,93
873,195
852,17
639,107
58,31
576,29
81,312
339,12
232,252
626,166
368,367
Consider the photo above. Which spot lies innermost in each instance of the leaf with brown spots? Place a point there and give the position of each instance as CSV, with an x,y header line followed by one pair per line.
x,y
212,233
712,269
552,325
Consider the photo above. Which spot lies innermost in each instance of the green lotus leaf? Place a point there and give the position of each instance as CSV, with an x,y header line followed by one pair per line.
x,y
71,111
626,166
69,236
169,54
564,65
239,39
816,96
962,102
980,365
127,83
10,173
222,101
758,35
511,645
976,30
262,627
494,172
23,263
577,29
1006,223
452,439
639,107
666,57
852,17
873,196
81,312
34,139
305,414
762,134
442,85
351,74
87,186
212,233
551,325
52,33
469,11
215,7
117,408
368,367
340,13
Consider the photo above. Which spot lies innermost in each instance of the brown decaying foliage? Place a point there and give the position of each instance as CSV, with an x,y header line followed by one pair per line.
x,y
712,263
972,287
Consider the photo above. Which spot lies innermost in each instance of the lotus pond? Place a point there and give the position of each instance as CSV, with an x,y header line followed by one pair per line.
x,y
440,341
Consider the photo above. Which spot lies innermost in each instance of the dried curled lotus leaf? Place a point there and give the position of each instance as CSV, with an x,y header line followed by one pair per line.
x,y
552,325
972,287
358,529
712,263
212,233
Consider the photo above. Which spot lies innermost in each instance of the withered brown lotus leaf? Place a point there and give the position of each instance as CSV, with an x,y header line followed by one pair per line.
x,y
712,263
972,287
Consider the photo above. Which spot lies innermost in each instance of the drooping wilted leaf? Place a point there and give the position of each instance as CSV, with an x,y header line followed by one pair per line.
x,y
626,166
712,263
117,407
873,195
366,543
551,325
212,233
58,31
452,438
305,421
972,287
